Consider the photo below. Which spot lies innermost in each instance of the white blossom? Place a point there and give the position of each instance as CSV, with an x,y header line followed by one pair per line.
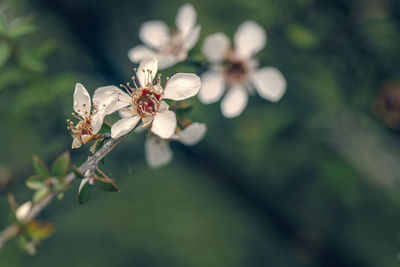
x,y
145,100
89,120
234,70
157,150
168,47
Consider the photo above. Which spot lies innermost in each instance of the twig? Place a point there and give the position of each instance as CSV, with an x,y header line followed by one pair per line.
x,y
89,166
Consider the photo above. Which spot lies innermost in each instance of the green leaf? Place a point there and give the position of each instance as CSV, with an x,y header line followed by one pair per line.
x,y
5,53
40,194
40,167
22,28
85,192
39,231
35,182
31,62
61,165
108,186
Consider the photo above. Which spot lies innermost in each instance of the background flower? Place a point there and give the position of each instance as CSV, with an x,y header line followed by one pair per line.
x,y
235,69
169,47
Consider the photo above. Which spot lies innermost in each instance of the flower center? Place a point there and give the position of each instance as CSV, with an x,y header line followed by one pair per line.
x,y
175,45
146,102
235,71
83,127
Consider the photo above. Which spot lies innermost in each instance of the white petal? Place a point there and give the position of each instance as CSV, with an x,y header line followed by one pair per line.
x,y
154,33
185,19
234,101
164,124
23,210
212,87
158,152
192,38
249,39
76,143
215,46
192,134
140,52
124,126
147,71
269,83
163,106
82,184
126,112
82,104
109,99
97,121
182,86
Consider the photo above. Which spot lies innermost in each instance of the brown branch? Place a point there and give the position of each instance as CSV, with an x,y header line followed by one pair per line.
x,y
88,167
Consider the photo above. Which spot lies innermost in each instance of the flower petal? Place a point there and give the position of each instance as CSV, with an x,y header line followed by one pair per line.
x,y
124,126
76,143
234,101
249,39
147,71
182,86
185,19
192,134
212,87
82,103
97,121
269,83
215,46
192,38
109,99
164,124
154,33
140,52
166,61
158,152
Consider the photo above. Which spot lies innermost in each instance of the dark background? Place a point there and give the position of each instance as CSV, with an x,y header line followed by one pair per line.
x,y
312,180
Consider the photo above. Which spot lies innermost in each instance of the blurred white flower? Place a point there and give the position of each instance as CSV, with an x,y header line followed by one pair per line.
x,y
157,150
89,121
168,47
145,100
235,69
23,210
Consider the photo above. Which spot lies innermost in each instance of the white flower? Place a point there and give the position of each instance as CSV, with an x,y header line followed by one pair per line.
x,y
23,210
145,100
157,150
168,47
89,122
236,70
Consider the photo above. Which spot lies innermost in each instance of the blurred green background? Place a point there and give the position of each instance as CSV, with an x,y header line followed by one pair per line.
x,y
310,181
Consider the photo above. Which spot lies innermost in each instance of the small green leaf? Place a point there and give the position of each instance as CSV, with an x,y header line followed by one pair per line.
x,y
78,174
60,196
39,231
85,192
61,165
40,167
40,194
35,182
21,28
108,186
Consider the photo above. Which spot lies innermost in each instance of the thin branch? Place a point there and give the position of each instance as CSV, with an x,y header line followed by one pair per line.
x,y
89,166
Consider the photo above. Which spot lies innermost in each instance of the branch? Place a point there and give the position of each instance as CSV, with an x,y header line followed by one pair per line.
x,y
89,166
